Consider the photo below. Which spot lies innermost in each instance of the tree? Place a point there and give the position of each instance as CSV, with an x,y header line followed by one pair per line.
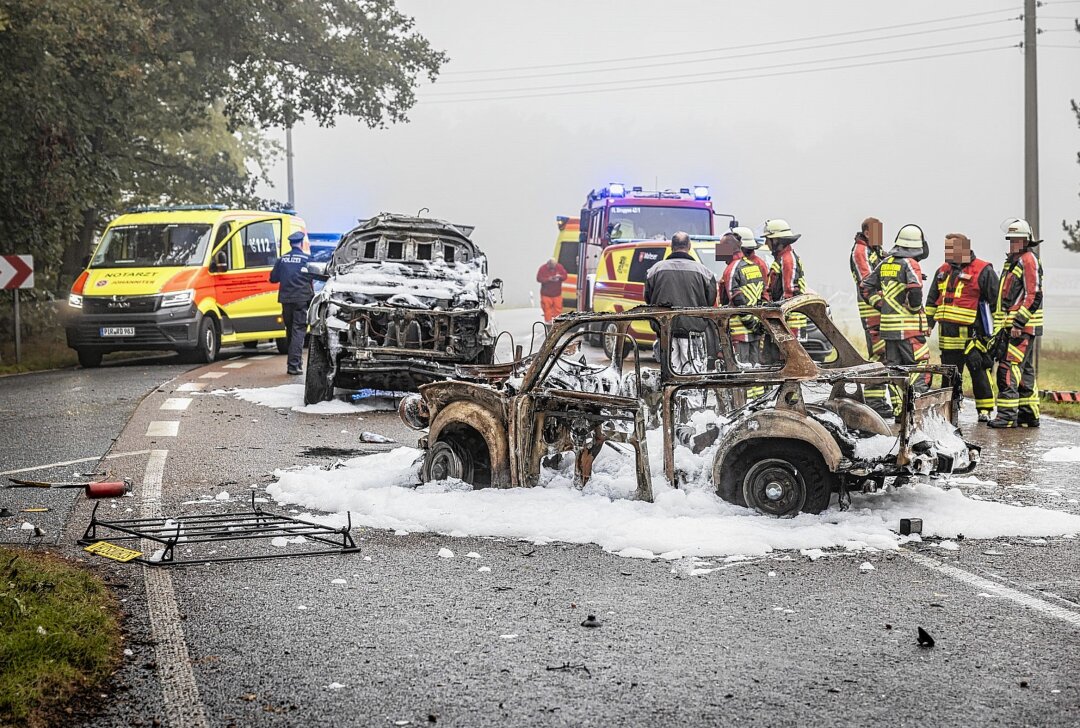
x,y
110,102
1072,230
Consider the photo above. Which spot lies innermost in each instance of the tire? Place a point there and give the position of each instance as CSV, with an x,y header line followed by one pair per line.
x,y
282,345
777,478
444,461
209,343
610,339
251,345
88,358
319,377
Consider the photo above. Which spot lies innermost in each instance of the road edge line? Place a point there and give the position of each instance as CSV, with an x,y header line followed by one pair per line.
x,y
183,705
998,589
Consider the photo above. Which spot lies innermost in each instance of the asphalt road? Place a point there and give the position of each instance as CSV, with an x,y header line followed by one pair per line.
x,y
411,637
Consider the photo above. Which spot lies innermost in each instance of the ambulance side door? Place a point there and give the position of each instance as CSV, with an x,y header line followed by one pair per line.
x,y
241,266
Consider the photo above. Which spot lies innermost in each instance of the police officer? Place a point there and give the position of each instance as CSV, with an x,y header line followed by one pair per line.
x,y
294,294
1018,319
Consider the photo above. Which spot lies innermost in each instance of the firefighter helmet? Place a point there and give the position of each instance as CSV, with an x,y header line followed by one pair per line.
x,y
1015,227
910,237
779,230
746,238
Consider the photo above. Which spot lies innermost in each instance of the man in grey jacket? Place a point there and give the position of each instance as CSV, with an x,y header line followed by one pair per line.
x,y
679,281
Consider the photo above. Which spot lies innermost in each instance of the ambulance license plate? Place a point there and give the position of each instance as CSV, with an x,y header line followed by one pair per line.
x,y
117,330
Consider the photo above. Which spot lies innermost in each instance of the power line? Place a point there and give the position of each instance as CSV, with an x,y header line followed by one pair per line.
x,y
1075,47
736,78
724,57
712,74
731,48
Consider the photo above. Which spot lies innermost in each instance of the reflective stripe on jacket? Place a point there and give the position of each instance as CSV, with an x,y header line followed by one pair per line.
x,y
955,292
889,288
1020,293
787,280
864,259
746,287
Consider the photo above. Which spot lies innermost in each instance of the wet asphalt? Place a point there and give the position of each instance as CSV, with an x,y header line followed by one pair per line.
x,y
413,639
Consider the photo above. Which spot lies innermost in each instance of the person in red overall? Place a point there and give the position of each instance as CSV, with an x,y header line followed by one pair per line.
x,y
1017,321
550,277
963,288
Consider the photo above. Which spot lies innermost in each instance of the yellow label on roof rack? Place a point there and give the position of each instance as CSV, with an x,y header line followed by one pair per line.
x,y
112,551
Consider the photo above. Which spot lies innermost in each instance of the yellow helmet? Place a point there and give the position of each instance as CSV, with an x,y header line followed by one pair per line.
x,y
779,229
746,238
910,237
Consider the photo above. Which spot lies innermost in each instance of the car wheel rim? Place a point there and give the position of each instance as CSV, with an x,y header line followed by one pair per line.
x,y
445,464
775,488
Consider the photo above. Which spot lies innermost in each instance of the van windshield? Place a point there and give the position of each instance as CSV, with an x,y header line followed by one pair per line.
x,y
640,222
139,246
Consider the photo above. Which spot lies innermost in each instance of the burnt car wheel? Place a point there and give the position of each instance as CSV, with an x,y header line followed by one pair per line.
x,y
780,479
318,379
611,340
444,461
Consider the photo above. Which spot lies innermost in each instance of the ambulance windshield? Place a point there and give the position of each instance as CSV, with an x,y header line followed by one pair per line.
x,y
641,222
139,246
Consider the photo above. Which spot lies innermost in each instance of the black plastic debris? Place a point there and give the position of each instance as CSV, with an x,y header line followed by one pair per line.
x,y
909,526
591,621
925,640
5,513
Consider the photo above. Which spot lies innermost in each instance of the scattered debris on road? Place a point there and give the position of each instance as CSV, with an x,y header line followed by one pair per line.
x,y
925,640
591,622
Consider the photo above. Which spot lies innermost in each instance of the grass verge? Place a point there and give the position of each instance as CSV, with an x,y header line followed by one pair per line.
x,y
1059,369
59,636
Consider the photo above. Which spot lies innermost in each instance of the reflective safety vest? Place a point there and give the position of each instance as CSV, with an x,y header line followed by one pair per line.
x,y
787,280
1020,294
955,292
864,259
888,288
745,287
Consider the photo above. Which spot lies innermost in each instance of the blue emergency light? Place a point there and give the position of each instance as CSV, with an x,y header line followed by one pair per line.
x,y
616,189
701,192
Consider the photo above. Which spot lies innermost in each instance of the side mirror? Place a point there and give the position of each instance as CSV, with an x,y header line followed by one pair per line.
x,y
317,270
220,264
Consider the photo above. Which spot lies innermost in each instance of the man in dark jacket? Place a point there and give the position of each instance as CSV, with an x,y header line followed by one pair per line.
x,y
294,294
679,281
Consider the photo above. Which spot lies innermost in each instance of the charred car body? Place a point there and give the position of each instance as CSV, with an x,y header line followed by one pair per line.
x,y
406,299
780,437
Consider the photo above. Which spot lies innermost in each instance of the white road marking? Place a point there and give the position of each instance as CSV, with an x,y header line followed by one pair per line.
x,y
163,428
260,357
73,462
183,705
191,387
993,587
236,365
178,404
212,375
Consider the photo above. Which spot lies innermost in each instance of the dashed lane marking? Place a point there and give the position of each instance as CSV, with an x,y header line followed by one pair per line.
x,y
191,387
261,357
183,704
212,375
178,404
236,365
95,458
163,428
993,587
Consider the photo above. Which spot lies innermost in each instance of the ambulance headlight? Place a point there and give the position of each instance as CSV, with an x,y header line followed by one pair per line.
x,y
75,300
177,298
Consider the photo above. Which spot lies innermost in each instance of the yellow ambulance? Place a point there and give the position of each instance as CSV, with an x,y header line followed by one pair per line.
x,y
187,279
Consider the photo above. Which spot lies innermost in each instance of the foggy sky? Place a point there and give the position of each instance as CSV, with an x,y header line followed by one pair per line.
x,y
937,142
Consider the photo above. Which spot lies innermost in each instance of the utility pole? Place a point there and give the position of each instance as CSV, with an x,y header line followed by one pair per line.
x,y
289,165
1031,120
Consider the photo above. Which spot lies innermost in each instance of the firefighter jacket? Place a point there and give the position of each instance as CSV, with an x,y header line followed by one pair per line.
x,y
864,259
1020,294
787,280
746,287
895,289
956,292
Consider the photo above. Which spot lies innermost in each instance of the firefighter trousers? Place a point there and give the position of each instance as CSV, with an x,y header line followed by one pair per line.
x,y
907,352
981,383
1018,394
749,355
874,394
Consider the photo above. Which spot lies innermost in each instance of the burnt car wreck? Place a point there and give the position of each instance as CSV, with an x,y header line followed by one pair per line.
x,y
406,299
774,430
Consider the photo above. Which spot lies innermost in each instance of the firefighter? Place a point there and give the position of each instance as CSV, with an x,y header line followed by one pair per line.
x,y
746,287
865,256
786,278
1018,319
894,288
960,301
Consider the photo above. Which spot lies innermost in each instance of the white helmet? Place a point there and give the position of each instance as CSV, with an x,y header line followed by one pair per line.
x,y
1014,227
746,238
779,229
910,237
